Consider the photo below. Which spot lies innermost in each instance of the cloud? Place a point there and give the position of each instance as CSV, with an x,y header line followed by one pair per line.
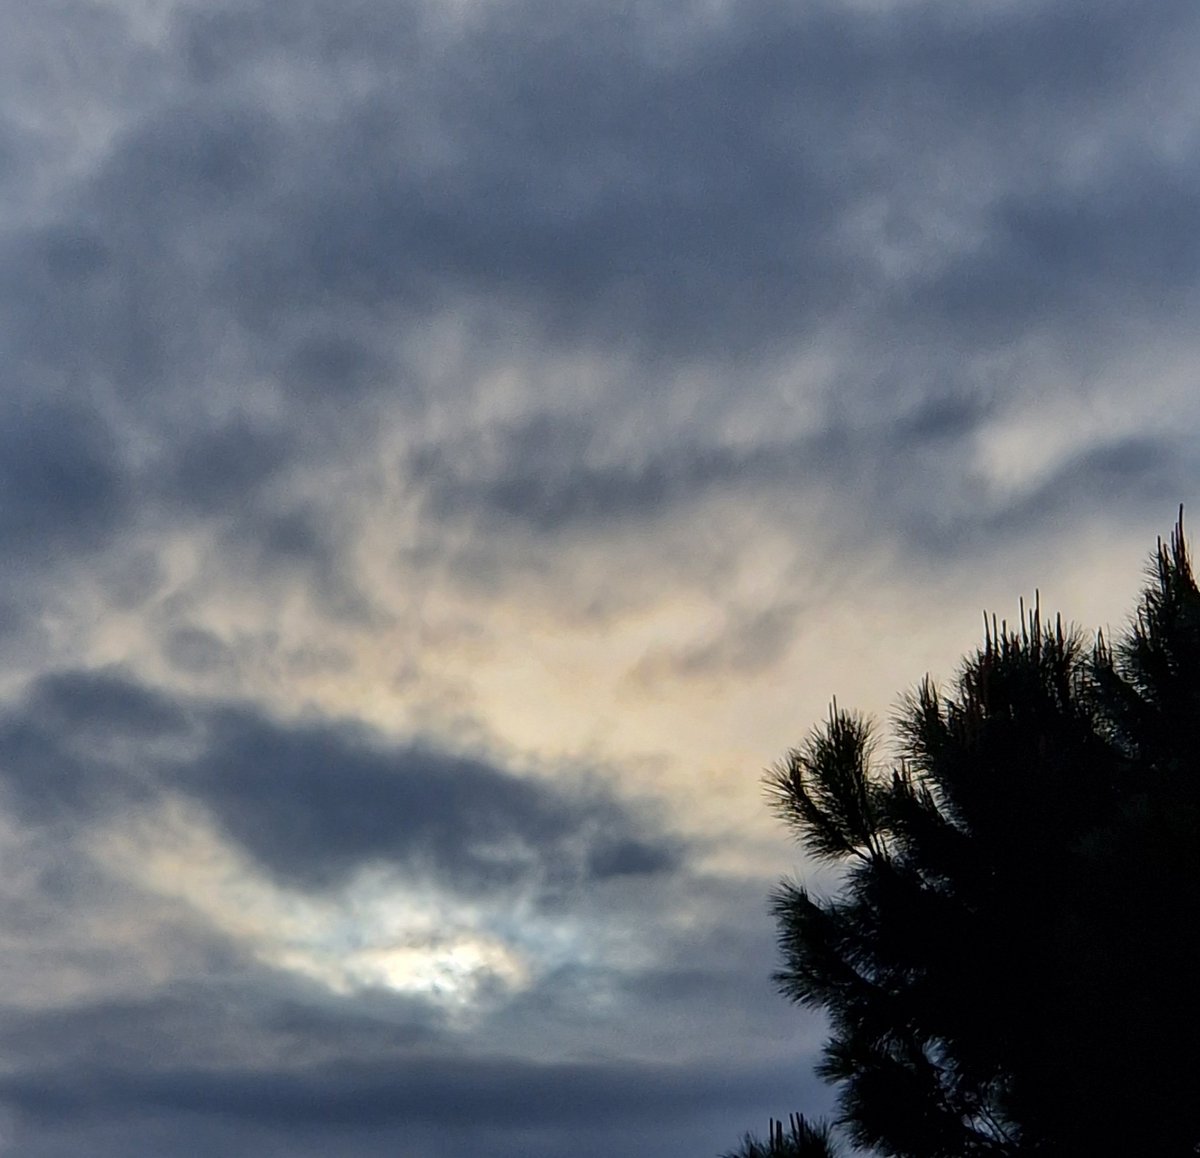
x,y
748,643
698,197
217,470
210,1036
423,1103
313,802
63,483
1110,253
66,750
708,198
426,1092
256,1056
193,649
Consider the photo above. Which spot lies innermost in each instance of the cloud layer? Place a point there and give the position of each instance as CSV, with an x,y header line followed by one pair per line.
x,y
447,447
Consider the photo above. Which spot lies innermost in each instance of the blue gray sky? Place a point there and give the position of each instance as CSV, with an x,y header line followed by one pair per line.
x,y
448,448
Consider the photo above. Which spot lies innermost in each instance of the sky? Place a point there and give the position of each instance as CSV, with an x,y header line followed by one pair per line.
x,y
450,448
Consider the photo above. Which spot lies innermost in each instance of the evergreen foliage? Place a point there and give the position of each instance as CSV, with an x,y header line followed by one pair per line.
x,y
1010,964
804,1139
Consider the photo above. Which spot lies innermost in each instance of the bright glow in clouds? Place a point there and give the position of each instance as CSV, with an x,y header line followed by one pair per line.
x,y
379,932
458,972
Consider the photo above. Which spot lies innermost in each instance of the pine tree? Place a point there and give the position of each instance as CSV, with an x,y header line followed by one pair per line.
x,y
1009,966
803,1139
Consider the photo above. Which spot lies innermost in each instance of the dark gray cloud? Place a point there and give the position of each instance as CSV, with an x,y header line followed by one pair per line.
x,y
201,1024
428,1105
544,475
539,476
193,649
64,752
64,486
550,476
643,182
313,802
1120,250
216,470
427,1091
1127,478
571,174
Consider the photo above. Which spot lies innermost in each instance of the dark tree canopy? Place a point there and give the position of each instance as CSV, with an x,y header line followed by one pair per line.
x,y
1010,965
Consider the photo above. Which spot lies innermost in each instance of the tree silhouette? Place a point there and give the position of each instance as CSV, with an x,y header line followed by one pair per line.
x,y
1011,962
804,1139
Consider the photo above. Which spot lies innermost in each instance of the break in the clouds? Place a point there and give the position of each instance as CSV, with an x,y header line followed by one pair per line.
x,y
326,935
448,447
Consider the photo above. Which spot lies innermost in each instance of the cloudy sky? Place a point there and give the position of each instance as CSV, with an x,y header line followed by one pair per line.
x,y
448,448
